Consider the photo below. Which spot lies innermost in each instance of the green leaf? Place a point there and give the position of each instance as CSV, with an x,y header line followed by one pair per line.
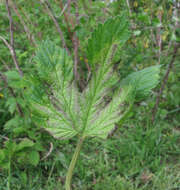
x,y
63,110
113,31
104,120
55,101
53,64
98,117
14,79
34,158
12,75
142,81
14,122
11,104
25,143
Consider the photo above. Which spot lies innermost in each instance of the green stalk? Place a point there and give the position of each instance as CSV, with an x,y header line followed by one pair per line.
x,y
73,163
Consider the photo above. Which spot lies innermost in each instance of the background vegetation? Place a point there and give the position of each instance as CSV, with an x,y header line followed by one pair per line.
x,y
143,153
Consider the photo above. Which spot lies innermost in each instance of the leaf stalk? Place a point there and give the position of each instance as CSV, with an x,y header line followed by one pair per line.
x,y
73,163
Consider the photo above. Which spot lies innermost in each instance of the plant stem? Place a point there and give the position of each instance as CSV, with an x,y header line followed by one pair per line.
x,y
73,163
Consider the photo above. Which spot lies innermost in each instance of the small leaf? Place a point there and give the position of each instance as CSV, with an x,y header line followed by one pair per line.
x,y
34,158
142,81
14,79
24,144
14,122
12,75
11,104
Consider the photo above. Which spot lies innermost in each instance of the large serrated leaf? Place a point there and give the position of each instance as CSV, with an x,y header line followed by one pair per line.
x,y
63,110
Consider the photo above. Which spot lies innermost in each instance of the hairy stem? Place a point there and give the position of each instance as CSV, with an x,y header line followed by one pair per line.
x,y
73,163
